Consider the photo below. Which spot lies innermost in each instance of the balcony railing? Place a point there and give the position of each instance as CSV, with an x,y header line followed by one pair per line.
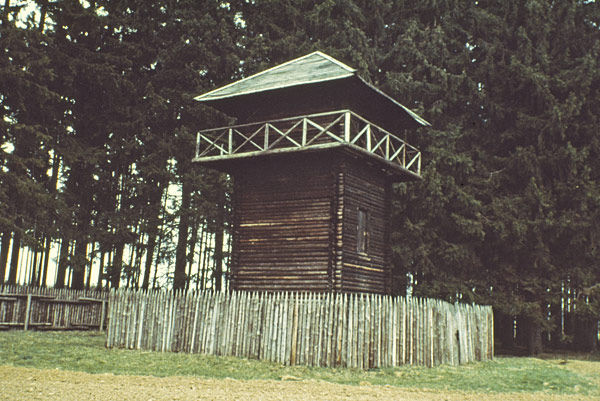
x,y
316,131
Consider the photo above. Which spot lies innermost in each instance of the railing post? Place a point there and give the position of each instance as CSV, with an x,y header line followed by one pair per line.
x,y
197,144
369,137
266,137
230,141
304,131
347,126
387,146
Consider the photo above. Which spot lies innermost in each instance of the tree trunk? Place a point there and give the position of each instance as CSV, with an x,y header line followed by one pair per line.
x,y
139,253
180,279
4,254
227,273
191,253
90,266
202,232
149,258
25,267
52,189
79,186
556,334
100,270
6,12
534,343
43,12
504,329
34,267
14,258
110,255
129,271
63,261
205,258
219,235
79,264
47,246
586,333
160,232
155,277
529,334
117,266
521,332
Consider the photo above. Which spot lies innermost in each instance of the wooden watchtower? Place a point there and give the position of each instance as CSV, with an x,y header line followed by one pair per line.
x,y
313,159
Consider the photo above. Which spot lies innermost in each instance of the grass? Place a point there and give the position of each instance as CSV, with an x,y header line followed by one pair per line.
x,y
85,351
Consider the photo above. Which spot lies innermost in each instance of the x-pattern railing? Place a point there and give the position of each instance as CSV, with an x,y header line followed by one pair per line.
x,y
324,130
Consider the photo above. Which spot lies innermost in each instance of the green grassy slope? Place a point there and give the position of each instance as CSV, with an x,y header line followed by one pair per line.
x,y
85,351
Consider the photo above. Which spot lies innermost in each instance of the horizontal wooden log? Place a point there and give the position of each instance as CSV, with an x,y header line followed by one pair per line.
x,y
19,324
90,299
65,301
25,295
363,267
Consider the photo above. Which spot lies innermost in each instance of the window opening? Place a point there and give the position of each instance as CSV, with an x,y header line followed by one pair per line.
x,y
362,237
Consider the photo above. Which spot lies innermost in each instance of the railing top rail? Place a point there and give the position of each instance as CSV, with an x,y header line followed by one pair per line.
x,y
295,118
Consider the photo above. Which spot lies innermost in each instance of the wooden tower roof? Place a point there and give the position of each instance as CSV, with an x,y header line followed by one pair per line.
x,y
312,83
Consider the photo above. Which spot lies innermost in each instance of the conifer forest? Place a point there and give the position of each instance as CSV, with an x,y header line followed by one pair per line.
x,y
98,127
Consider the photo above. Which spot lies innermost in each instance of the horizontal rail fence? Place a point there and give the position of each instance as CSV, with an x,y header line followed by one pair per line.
x,y
52,309
348,330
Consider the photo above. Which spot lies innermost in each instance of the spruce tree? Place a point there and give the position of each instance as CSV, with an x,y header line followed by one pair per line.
x,y
31,119
507,210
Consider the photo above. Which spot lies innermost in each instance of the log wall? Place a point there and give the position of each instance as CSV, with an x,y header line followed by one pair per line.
x,y
365,188
282,225
332,330
295,224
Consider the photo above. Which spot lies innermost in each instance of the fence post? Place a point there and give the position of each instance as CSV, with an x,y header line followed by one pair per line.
x,y
294,332
27,313
102,315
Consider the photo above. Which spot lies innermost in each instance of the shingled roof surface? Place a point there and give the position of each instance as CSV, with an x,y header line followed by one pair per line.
x,y
312,68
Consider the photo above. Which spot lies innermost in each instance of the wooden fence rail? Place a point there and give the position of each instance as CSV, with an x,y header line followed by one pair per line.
x,y
52,309
348,330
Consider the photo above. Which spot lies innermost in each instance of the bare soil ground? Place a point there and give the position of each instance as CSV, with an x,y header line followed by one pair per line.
x,y
18,383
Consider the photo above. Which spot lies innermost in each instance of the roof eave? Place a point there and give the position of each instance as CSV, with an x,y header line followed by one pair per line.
x,y
411,113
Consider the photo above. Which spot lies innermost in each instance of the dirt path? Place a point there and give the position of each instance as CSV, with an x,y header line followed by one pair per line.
x,y
31,384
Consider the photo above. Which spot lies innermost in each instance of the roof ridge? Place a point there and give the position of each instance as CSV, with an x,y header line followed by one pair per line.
x,y
333,60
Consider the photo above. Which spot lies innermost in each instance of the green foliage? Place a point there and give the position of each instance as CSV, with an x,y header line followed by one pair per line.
x,y
102,93
507,212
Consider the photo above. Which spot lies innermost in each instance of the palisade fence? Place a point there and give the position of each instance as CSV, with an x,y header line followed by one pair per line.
x,y
347,330
52,308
